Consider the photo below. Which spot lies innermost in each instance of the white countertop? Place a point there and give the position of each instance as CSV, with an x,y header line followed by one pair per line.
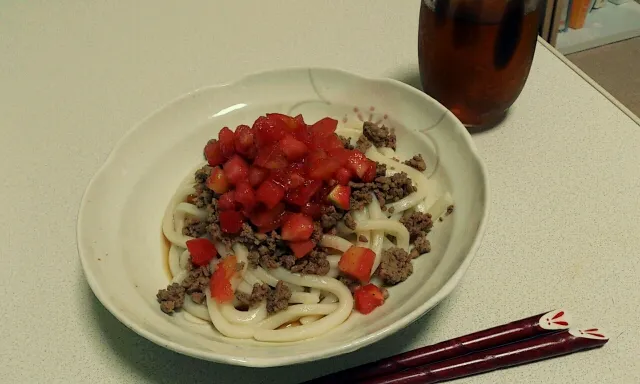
x,y
564,230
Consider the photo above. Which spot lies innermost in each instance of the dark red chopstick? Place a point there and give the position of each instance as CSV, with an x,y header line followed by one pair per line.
x,y
533,326
509,355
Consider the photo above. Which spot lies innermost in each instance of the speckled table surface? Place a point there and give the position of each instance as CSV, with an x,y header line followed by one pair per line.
x,y
563,168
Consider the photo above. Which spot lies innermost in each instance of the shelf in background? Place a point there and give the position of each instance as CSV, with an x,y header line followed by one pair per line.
x,y
603,26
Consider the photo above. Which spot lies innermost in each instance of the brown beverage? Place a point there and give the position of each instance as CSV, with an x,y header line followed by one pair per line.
x,y
475,55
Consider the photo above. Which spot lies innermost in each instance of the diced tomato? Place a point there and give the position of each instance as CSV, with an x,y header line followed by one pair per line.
x,y
236,169
245,195
297,227
202,251
301,248
292,124
357,263
288,178
213,153
340,154
271,157
268,131
270,193
358,163
220,282
343,176
217,181
257,175
293,148
340,196
314,210
226,139
323,169
370,173
302,195
231,221
327,143
316,155
324,127
268,218
367,298
244,141
227,202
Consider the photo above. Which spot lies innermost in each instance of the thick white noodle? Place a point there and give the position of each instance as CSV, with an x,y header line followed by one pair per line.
x,y
349,132
395,227
362,216
343,229
304,298
251,317
197,310
223,325
439,208
388,152
263,275
333,260
328,299
377,236
294,312
187,209
184,259
435,191
335,242
317,328
245,287
386,243
179,277
419,179
172,234
174,260
222,250
251,279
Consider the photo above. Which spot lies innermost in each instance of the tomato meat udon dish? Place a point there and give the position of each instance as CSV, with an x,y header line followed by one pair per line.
x,y
289,223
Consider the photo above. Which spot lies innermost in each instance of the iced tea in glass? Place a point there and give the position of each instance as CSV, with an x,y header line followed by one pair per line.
x,y
475,55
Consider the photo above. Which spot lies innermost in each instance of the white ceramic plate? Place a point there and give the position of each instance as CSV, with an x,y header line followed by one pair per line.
x,y
119,237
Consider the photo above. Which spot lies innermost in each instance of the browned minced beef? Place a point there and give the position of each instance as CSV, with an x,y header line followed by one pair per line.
x,y
203,174
395,266
449,210
317,233
380,136
194,227
387,189
330,217
349,221
381,169
196,282
417,162
420,246
346,142
417,223
351,283
217,235
363,144
315,263
171,299
258,294
278,298
203,196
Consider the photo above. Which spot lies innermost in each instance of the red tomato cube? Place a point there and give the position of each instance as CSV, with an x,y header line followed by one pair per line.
x,y
367,298
213,153
343,176
340,196
231,221
268,130
313,210
245,195
271,157
227,202
359,164
257,175
297,227
244,141
267,219
202,251
220,282
370,173
323,169
226,139
324,127
301,248
293,149
236,169
357,263
217,181
291,124
302,195
270,193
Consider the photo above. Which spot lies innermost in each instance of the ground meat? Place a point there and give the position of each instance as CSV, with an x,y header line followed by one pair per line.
x,y
288,261
194,227
449,210
248,237
395,266
363,238
380,136
202,174
258,294
363,144
387,189
330,217
171,299
196,282
381,169
216,234
278,298
268,260
203,196
254,259
317,233
315,263
391,210
421,246
417,162
346,142
352,284
417,223
349,221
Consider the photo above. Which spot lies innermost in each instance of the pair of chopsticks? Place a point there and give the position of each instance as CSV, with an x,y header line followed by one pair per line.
x,y
524,341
